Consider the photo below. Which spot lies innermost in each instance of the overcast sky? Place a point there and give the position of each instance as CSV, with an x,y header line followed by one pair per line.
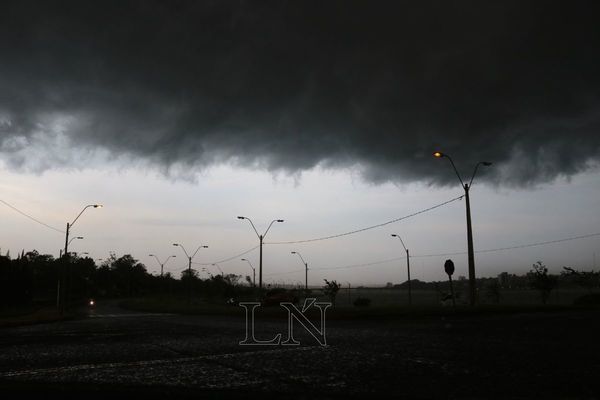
x,y
179,116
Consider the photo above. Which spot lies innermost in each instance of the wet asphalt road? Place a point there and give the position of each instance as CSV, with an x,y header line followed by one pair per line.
x,y
113,352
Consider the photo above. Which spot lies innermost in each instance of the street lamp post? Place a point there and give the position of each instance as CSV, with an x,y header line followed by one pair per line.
x,y
67,279
62,284
407,268
305,270
190,266
162,264
260,238
75,238
70,225
471,255
253,272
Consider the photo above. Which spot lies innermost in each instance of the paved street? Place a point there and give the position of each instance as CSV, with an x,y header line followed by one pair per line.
x,y
118,351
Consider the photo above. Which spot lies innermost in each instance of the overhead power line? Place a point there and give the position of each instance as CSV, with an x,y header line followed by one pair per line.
x,y
522,246
371,227
446,254
230,258
343,267
30,217
285,273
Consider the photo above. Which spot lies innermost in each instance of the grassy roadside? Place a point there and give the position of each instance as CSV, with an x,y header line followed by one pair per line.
x,y
181,306
178,306
32,315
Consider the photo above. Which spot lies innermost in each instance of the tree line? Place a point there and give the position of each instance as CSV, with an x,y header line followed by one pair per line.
x,y
33,278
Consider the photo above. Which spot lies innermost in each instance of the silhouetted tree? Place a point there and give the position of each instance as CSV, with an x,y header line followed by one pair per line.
x,y
492,291
540,280
331,289
586,279
130,274
232,279
189,274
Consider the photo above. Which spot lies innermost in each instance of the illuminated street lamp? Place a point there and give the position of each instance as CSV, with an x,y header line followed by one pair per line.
x,y
162,264
260,238
466,187
253,272
407,268
62,287
70,225
305,270
190,266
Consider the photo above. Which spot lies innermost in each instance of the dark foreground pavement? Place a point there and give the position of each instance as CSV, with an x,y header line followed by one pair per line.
x,y
116,352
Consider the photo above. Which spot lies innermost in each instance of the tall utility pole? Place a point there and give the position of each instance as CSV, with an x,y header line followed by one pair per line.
x,y
467,187
407,268
61,295
305,270
260,238
190,267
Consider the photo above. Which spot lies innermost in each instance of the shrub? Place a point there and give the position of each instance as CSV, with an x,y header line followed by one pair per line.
x,y
331,289
540,280
588,300
362,302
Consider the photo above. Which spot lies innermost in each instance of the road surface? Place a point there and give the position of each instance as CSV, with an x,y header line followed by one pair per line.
x,y
115,351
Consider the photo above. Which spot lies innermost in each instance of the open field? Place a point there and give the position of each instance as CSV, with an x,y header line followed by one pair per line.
x,y
383,296
383,310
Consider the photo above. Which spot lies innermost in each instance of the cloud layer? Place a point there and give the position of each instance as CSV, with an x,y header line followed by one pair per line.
x,y
291,85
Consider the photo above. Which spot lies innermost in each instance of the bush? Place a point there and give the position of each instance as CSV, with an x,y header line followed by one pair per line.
x,y
588,300
331,290
362,302
540,280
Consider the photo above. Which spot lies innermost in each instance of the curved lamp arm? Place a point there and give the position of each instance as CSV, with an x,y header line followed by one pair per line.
x,y
484,163
299,255
401,241
251,223
271,224
85,208
182,248
199,247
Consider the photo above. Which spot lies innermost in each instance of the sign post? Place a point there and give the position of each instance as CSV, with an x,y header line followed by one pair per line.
x,y
449,268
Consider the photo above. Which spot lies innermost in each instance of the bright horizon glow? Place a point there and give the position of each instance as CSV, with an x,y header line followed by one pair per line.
x,y
146,211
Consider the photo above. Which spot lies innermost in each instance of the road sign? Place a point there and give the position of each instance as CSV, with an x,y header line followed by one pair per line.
x,y
449,267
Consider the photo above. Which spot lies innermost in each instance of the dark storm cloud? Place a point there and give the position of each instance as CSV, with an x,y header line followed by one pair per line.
x,y
289,85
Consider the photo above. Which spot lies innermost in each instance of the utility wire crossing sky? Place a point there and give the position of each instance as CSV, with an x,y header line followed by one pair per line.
x,y
180,115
